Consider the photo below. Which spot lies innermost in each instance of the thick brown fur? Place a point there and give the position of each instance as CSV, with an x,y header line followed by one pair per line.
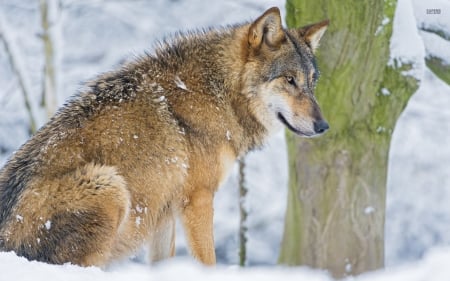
x,y
154,140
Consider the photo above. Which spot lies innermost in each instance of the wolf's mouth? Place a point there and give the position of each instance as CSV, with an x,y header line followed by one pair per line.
x,y
290,127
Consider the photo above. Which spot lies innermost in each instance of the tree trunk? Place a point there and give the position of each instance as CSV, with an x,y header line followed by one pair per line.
x,y
337,183
48,10
243,229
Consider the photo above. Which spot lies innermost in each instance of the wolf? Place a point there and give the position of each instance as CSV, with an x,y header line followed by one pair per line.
x,y
153,140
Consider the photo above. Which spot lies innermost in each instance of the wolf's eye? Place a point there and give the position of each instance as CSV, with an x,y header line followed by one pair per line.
x,y
290,80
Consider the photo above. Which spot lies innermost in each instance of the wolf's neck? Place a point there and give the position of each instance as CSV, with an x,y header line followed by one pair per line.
x,y
234,60
214,57
215,60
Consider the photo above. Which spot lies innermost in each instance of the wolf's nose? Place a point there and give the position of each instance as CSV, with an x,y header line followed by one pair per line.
x,y
321,126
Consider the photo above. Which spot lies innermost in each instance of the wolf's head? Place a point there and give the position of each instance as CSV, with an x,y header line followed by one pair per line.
x,y
281,73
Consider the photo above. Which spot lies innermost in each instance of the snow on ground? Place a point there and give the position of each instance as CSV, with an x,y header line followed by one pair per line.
x,y
97,35
434,267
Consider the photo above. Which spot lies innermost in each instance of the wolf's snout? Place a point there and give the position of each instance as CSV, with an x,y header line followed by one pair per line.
x,y
320,126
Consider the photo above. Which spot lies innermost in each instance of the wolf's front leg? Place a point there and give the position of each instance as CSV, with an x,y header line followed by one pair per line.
x,y
197,219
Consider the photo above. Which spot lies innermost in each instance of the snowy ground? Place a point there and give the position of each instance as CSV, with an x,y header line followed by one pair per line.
x,y
97,35
434,267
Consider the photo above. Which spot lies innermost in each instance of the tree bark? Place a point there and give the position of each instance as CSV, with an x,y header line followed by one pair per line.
x,y
337,183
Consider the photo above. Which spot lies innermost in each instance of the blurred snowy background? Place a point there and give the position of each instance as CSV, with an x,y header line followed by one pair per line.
x,y
97,35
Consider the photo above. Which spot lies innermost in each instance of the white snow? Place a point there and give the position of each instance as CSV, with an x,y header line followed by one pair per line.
x,y
180,84
436,46
138,221
434,267
406,46
48,225
228,135
418,209
369,210
385,92
432,21
384,22
348,267
97,35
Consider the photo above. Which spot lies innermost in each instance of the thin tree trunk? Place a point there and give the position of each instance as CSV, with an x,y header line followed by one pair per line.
x,y
337,183
49,95
243,229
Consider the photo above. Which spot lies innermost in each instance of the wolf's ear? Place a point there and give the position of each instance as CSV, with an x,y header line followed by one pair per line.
x,y
267,28
312,33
